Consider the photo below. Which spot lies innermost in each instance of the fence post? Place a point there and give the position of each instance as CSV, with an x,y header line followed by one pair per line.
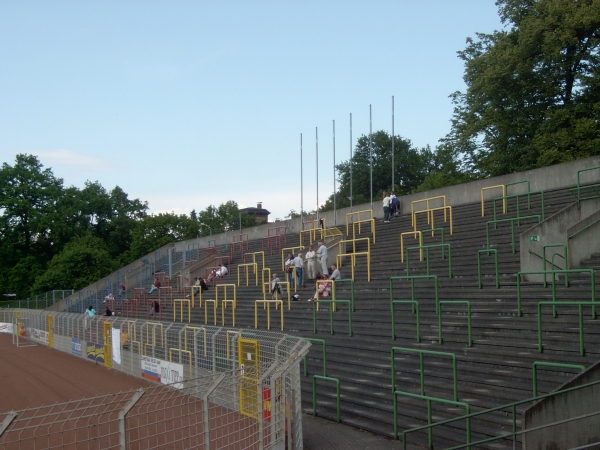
x,y
122,418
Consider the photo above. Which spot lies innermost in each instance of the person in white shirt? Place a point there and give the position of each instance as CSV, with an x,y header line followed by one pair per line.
x,y
335,273
289,269
386,207
322,254
218,273
299,264
311,258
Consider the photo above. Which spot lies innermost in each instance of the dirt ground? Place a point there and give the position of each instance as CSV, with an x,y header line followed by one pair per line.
x,y
36,376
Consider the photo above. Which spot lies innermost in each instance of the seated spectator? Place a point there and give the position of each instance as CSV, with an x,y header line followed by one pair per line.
x,y
218,273
122,290
91,312
108,312
335,273
155,308
109,297
155,286
199,286
275,287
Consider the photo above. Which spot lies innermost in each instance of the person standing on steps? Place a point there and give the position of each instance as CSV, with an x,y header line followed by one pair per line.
x,y
322,254
386,207
289,269
311,259
299,264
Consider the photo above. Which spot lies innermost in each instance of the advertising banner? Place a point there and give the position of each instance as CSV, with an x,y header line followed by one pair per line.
x,y
76,347
95,352
116,345
164,372
39,335
6,327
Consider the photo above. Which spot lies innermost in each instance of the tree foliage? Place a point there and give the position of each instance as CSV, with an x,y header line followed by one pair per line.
x,y
411,166
533,89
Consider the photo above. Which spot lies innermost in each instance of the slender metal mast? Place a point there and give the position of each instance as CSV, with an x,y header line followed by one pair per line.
x,y
334,205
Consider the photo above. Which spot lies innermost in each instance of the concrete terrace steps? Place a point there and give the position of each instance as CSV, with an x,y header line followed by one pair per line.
x,y
496,370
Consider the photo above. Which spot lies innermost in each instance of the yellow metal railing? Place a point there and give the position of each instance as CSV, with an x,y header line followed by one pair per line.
x,y
266,270
268,304
215,306
311,237
413,234
154,326
181,302
291,250
498,186
254,255
246,267
195,330
224,288
368,215
180,351
373,229
354,254
223,308
430,218
427,207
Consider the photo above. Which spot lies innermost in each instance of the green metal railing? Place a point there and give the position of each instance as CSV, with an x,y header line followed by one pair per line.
x,y
512,227
337,383
429,417
512,406
433,230
333,303
345,280
456,302
426,248
317,341
412,287
583,229
488,251
422,368
554,266
537,364
528,190
517,196
553,272
415,307
563,256
555,304
595,188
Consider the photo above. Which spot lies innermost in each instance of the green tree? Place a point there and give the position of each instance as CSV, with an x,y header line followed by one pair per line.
x,y
412,165
533,89
83,261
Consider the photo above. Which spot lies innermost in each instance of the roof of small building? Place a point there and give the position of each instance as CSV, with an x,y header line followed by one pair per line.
x,y
257,211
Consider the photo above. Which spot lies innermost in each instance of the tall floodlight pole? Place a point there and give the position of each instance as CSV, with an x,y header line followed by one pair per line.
x,y
334,207
371,151
350,161
393,166
301,185
317,147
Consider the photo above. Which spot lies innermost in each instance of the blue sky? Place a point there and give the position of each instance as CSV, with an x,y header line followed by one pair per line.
x,y
186,104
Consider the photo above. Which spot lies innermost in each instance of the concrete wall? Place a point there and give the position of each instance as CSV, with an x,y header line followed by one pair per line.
x,y
562,406
556,230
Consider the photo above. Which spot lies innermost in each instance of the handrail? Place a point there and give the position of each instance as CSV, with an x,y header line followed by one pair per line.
x,y
354,254
528,190
413,234
415,307
426,248
537,364
433,230
429,400
565,257
492,187
531,252
360,222
488,251
291,250
585,228
553,272
268,303
554,305
456,302
319,341
181,302
512,227
246,266
412,279
215,304
426,200
431,211
357,213
224,287
513,407
344,280
517,196
337,382
421,365
579,172
333,302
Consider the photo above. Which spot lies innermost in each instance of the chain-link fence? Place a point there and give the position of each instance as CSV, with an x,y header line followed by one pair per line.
x,y
219,387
